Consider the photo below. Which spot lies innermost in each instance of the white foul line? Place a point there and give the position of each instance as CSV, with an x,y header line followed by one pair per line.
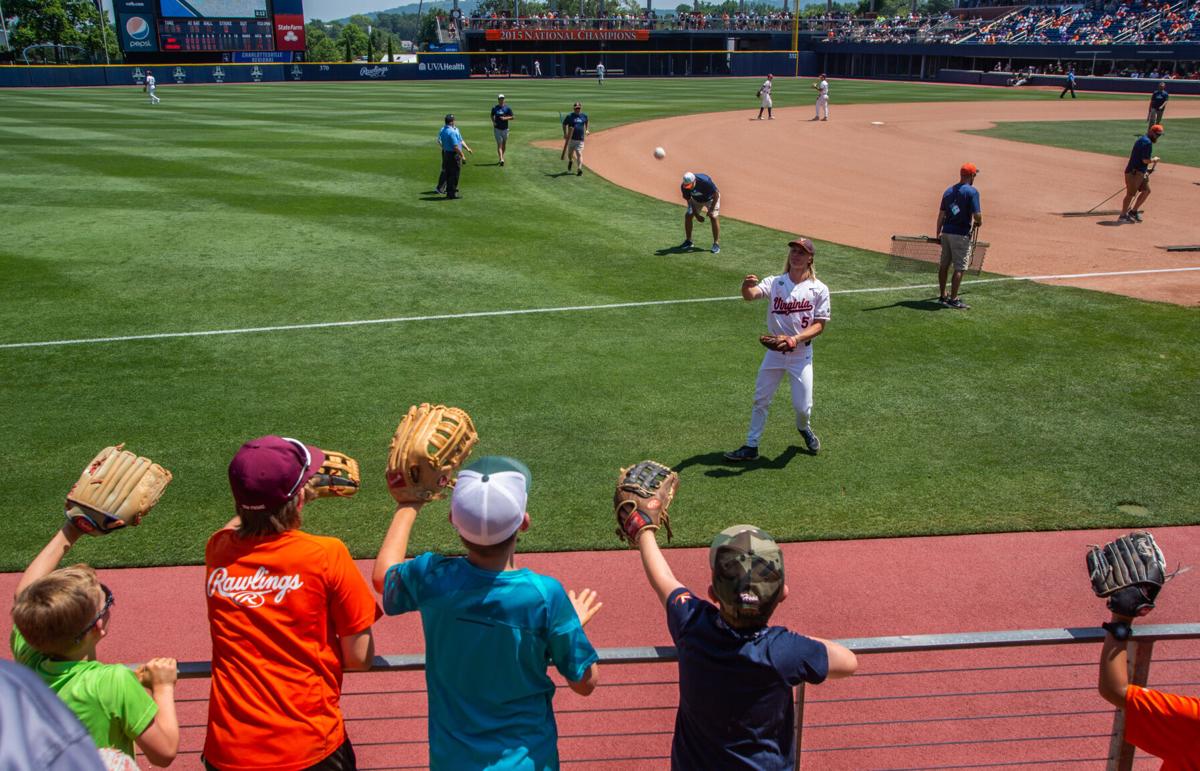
x,y
562,309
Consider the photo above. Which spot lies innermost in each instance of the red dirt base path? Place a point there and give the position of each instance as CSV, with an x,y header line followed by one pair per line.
x,y
874,170
1023,705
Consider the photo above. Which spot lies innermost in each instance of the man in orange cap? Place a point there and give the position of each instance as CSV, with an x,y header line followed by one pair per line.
x,y
1137,174
958,217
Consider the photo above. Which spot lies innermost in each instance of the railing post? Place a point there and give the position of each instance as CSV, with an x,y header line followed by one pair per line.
x,y
1120,752
799,709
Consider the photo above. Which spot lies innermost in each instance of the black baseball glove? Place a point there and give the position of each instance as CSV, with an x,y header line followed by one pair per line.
x,y
1130,572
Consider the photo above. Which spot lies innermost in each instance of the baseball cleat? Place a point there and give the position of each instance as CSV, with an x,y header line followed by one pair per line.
x,y
716,248
685,245
957,304
745,452
810,440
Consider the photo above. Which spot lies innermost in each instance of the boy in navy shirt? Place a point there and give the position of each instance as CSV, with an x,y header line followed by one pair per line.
x,y
736,673
1137,174
959,215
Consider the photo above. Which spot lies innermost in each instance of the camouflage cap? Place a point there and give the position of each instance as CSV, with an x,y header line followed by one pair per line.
x,y
747,573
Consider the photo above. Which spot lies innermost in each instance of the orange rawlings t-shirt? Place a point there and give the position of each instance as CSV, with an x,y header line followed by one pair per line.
x,y
277,605
1165,725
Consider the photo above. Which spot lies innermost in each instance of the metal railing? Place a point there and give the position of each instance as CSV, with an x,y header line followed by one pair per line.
x,y
1120,756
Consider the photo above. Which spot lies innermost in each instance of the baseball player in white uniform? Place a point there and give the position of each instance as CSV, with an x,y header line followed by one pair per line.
x,y
799,309
764,94
600,72
822,87
149,88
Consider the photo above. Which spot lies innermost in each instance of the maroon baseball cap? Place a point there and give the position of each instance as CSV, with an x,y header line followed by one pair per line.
x,y
268,471
804,243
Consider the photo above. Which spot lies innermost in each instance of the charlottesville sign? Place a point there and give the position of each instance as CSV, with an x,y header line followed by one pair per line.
x,y
566,34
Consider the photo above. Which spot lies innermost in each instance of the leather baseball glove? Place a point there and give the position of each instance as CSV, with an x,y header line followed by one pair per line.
x,y
339,477
1130,571
781,343
644,494
116,489
430,444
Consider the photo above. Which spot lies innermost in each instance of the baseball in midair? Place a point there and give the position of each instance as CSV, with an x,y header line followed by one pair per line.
x,y
660,153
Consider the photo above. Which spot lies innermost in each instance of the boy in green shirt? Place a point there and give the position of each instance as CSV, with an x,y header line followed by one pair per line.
x,y
59,617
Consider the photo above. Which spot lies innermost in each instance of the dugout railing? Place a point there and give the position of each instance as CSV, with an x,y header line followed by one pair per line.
x,y
961,700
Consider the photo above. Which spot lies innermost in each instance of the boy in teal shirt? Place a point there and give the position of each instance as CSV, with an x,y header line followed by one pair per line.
x,y
488,622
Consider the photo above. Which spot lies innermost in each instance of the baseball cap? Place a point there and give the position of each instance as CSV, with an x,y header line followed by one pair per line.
x,y
499,96
1157,129
747,573
488,502
970,168
449,118
268,471
770,77
804,243
689,179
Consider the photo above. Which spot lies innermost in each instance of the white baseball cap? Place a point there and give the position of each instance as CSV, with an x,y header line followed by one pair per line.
x,y
689,179
499,96
488,502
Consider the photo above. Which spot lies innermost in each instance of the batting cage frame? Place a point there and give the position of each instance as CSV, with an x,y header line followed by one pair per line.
x,y
916,253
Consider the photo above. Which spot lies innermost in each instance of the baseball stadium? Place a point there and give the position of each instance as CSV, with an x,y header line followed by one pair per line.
x,y
524,293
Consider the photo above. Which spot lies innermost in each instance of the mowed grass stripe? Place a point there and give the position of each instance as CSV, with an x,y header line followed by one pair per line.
x,y
262,206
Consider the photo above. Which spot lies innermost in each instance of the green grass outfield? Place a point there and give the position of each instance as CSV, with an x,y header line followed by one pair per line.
x,y
231,207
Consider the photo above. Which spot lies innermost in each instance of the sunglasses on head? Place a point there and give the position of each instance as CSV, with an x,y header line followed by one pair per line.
x,y
108,603
307,464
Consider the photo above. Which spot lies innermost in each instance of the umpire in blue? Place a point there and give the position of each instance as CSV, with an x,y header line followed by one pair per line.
x,y
454,150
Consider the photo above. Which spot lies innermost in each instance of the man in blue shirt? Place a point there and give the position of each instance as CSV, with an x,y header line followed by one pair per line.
x,y
575,131
959,215
1137,174
491,628
453,156
702,198
1070,84
1158,104
502,114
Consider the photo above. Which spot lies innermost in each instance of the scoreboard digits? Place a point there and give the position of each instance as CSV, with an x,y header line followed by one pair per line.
x,y
216,35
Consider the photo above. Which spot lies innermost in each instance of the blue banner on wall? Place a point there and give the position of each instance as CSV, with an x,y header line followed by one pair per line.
x,y
264,57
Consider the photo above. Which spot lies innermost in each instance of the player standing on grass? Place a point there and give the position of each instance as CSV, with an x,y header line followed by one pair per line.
x,y
958,216
764,95
575,131
502,114
148,88
798,312
1158,104
1137,174
600,73
702,198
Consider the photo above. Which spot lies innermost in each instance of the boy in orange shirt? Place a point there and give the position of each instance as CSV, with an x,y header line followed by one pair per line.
x,y
288,612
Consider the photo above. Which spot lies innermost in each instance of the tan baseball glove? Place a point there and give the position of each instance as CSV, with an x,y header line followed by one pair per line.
x,y
338,477
430,444
116,489
644,494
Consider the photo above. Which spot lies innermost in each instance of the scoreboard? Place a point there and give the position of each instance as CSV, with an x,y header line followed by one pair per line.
x,y
214,26
216,35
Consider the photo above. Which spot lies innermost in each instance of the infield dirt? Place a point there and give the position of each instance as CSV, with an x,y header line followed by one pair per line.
x,y
853,182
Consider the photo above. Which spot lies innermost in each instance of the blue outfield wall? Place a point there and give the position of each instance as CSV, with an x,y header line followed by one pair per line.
x,y
425,68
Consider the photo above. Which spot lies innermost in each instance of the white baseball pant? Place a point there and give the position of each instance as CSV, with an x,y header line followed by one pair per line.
x,y
823,105
798,368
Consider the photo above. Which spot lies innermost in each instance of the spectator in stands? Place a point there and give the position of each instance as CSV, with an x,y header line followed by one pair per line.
x,y
59,617
735,671
491,629
288,612
1164,724
1137,174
